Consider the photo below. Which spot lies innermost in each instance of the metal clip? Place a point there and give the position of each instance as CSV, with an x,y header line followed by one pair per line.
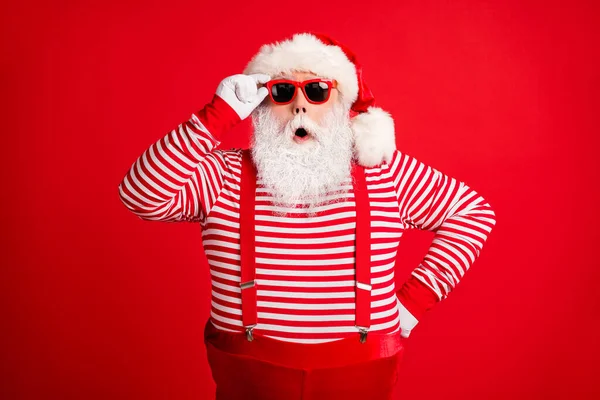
x,y
249,332
363,334
248,285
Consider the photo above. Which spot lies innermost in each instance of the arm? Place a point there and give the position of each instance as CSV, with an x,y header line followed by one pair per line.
x,y
179,177
461,219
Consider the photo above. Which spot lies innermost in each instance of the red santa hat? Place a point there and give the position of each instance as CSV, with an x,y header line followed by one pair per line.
x,y
373,128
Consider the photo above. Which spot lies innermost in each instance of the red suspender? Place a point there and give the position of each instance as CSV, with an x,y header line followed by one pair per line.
x,y
247,244
363,251
248,239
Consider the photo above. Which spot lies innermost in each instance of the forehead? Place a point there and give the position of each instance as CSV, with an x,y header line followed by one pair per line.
x,y
295,75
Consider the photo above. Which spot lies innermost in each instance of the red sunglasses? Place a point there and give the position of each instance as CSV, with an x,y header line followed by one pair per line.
x,y
316,91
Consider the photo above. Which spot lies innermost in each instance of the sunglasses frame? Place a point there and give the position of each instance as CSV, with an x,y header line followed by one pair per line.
x,y
331,82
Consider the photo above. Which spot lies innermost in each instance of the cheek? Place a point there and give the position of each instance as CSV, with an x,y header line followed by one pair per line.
x,y
280,112
321,113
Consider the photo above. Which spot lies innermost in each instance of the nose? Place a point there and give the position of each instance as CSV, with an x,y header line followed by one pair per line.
x,y
300,104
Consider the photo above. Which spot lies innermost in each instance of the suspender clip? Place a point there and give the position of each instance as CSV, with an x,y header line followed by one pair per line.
x,y
249,332
363,333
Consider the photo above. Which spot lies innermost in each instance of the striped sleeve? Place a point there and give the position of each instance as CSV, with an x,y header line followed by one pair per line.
x,y
179,177
461,219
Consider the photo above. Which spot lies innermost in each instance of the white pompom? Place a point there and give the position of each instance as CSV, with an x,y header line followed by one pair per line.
x,y
374,137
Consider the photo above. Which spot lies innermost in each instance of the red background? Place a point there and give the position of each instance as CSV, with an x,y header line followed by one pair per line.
x,y
99,304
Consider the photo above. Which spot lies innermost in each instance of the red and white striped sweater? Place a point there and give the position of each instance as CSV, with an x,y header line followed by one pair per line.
x,y
305,266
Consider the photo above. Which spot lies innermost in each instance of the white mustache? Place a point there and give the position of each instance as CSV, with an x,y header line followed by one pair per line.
x,y
303,121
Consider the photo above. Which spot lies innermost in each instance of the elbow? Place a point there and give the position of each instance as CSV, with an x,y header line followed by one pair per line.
x,y
487,217
127,201
162,211
132,204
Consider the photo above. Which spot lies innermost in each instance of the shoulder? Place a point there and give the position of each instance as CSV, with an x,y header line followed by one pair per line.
x,y
229,160
386,166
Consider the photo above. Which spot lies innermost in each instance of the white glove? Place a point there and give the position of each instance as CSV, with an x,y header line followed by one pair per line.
x,y
241,92
407,320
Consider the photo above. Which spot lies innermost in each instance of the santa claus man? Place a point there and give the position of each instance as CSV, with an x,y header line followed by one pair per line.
x,y
301,230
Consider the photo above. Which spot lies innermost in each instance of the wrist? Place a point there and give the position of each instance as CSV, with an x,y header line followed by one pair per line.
x,y
416,299
218,117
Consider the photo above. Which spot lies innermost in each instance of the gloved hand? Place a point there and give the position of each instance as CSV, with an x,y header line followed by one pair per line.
x,y
241,92
407,320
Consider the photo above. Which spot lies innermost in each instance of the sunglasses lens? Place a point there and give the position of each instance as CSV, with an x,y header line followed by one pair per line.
x,y
282,92
317,91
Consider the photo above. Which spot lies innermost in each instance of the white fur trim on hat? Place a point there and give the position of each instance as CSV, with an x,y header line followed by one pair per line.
x,y
305,52
374,136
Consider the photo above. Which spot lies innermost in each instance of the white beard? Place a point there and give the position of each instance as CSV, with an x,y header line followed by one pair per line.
x,y
307,174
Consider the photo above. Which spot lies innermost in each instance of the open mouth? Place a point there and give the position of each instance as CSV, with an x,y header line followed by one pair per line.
x,y
301,135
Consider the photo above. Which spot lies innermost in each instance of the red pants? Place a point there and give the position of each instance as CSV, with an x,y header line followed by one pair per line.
x,y
269,369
